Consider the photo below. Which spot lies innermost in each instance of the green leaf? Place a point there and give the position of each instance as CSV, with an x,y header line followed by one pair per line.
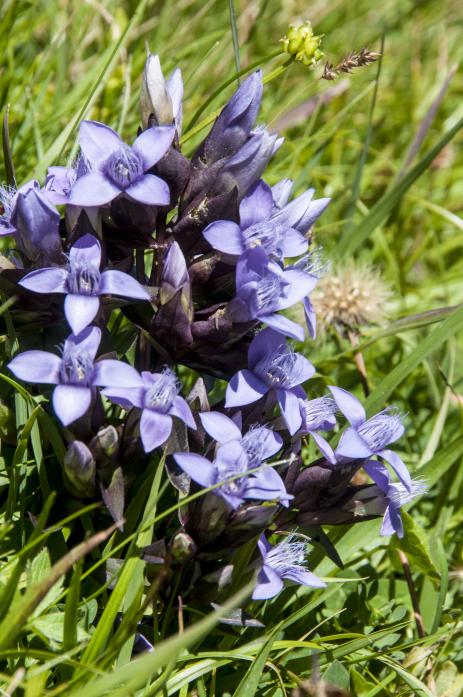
x,y
337,675
348,244
415,544
251,679
449,327
135,674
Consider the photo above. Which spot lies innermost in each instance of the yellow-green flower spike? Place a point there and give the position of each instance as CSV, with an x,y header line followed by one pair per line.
x,y
302,44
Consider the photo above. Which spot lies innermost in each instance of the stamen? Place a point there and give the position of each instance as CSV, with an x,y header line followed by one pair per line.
x,y
124,167
382,429
76,366
278,368
286,555
400,496
268,292
83,278
162,393
318,413
254,443
266,234
231,469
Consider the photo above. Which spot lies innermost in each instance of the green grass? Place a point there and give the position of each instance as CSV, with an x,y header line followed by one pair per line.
x,y
65,60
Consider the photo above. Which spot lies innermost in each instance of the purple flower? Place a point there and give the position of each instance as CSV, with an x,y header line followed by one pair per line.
x,y
395,495
284,561
249,162
75,374
118,168
368,437
34,222
232,127
259,226
263,288
319,415
59,183
272,367
83,283
156,394
259,443
231,460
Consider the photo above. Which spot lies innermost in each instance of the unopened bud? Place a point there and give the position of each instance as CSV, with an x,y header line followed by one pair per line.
x,y
80,468
108,440
183,547
247,522
302,44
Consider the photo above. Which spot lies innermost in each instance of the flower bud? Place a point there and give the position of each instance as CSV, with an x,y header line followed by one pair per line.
x,y
247,522
209,518
160,97
302,44
106,443
182,547
80,468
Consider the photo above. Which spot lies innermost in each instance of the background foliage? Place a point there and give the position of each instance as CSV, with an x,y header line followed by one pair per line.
x,y
365,144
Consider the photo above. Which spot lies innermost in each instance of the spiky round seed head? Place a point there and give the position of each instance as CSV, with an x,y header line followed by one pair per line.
x,y
349,297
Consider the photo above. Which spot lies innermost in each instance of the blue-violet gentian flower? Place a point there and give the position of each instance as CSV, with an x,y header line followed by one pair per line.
x,y
117,168
231,460
272,367
284,561
263,288
83,283
259,442
75,374
156,394
365,438
262,224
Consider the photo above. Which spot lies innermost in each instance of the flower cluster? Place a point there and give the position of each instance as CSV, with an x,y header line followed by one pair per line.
x,y
172,267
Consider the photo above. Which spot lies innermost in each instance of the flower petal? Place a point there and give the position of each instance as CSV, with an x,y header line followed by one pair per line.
x,y
310,317
266,342
155,428
80,310
199,468
36,366
153,144
225,236
285,326
300,284
150,190
268,584
112,373
398,466
352,446
304,577
51,280
116,282
257,205
392,522
324,447
70,402
87,250
219,427
97,141
244,388
379,474
267,485
294,243
93,189
126,397
289,405
89,340
182,411
349,406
